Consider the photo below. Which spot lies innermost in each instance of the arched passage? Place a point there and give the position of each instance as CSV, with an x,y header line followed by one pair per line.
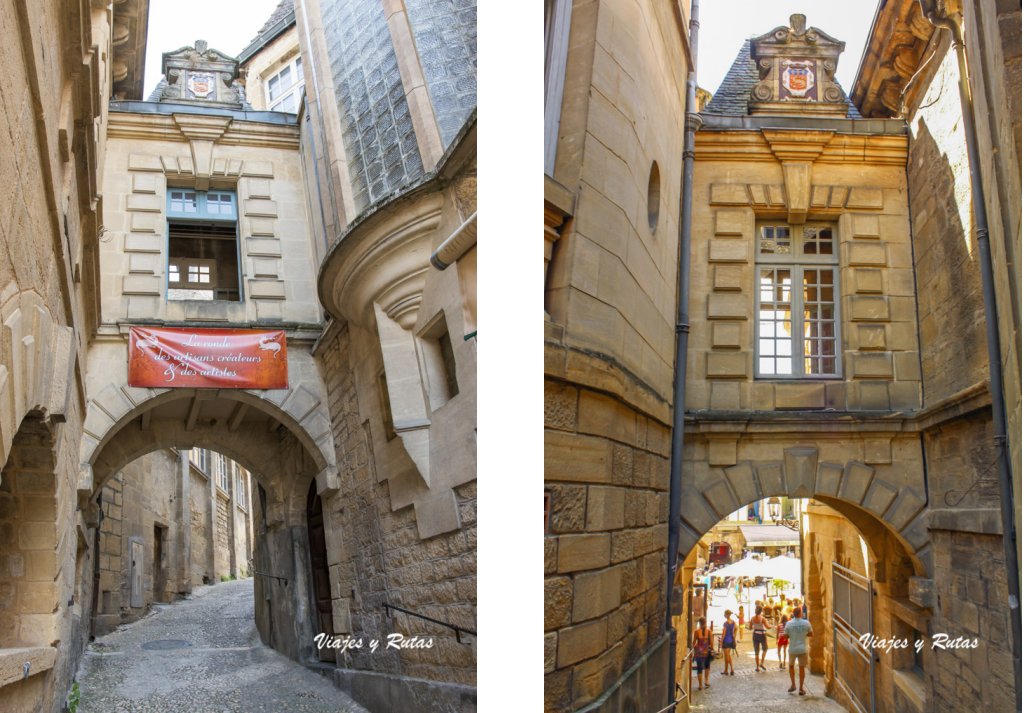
x,y
275,447
838,541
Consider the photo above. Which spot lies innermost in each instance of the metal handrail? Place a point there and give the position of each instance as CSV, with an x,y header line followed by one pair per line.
x,y
272,576
459,631
676,702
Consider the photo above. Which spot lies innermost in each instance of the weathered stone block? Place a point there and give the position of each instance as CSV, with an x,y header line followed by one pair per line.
x,y
570,456
550,646
260,207
725,335
267,289
695,510
577,643
867,280
727,365
259,169
143,243
557,602
722,451
596,593
877,450
772,479
731,222
741,478
865,198
723,250
868,308
729,194
830,475
872,365
146,223
866,254
872,396
141,285
725,395
605,508
922,592
578,552
870,337
258,188
144,183
270,247
801,469
864,226
604,416
879,497
721,497
728,306
437,515
908,366
856,478
144,203
144,162
728,278
799,396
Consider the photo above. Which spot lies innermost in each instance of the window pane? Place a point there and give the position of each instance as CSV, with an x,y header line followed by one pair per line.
x,y
818,241
775,240
819,328
775,325
183,201
298,70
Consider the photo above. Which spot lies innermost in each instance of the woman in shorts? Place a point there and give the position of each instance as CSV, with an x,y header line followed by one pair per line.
x,y
739,628
782,641
702,653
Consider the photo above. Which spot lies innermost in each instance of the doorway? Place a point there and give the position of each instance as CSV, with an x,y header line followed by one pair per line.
x,y
321,572
159,574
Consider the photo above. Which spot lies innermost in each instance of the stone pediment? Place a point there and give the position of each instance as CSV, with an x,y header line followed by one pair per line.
x,y
201,75
796,68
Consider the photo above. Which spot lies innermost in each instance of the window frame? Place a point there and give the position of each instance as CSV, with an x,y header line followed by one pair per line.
x,y
294,90
797,262
557,20
201,215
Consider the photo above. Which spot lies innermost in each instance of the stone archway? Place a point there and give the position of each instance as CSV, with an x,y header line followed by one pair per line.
x,y
267,439
865,493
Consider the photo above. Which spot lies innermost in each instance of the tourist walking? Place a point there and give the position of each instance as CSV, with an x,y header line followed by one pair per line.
x,y
782,641
739,629
702,653
798,630
728,644
760,633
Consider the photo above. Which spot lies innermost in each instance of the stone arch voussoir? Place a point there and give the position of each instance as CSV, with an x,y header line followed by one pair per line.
x,y
801,474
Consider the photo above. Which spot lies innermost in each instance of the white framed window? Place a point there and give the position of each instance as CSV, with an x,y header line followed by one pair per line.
x,y
798,327
284,89
202,243
241,477
221,471
200,458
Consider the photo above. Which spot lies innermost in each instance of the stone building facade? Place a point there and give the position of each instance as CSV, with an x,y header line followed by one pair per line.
x,y
361,496
160,536
836,347
615,78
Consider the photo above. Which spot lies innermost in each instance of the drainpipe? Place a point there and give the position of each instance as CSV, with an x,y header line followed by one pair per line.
x,y
693,122
930,10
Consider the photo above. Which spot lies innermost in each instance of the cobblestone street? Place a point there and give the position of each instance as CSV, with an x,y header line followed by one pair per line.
x,y
224,668
765,692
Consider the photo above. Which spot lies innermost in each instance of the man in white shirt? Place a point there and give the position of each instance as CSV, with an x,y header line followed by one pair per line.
x,y
798,630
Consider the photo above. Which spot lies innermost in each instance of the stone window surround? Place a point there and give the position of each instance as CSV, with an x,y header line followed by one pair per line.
x,y
292,61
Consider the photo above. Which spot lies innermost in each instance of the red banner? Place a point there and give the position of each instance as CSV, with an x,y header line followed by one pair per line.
x,y
207,358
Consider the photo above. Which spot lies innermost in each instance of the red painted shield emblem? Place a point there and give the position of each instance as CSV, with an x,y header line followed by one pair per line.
x,y
798,79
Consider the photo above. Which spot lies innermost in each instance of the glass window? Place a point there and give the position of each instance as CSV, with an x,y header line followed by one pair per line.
x,y
797,305
184,202
285,87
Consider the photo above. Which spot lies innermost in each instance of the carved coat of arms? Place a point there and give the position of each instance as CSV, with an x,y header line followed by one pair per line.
x,y
201,84
798,78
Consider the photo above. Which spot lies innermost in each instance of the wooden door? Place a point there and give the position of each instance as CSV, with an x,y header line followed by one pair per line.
x,y
136,552
321,573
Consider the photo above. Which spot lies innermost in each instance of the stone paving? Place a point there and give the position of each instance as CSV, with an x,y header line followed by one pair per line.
x,y
225,668
765,691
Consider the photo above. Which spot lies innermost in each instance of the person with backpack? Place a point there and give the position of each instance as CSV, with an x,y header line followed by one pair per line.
x,y
702,653
759,627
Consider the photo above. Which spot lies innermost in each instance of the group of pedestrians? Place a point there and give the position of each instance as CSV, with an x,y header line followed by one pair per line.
x,y
791,634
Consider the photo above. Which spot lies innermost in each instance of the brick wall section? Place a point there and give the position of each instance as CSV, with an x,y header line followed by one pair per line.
x,y
606,471
385,561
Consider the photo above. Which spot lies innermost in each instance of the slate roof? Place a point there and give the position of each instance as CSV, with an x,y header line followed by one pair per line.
x,y
734,92
277,22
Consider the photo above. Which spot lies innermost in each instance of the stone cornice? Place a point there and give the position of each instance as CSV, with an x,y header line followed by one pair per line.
x,y
178,127
897,43
874,149
128,38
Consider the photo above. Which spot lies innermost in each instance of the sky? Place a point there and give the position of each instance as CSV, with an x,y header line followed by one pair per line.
x,y
226,25
724,24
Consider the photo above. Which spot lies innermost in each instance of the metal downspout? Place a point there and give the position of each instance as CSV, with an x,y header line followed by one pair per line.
x,y
995,365
682,339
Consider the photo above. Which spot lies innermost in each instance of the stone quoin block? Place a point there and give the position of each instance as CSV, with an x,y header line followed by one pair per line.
x,y
725,335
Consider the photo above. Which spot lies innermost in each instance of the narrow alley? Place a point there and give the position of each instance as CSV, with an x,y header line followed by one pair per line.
x,y
200,655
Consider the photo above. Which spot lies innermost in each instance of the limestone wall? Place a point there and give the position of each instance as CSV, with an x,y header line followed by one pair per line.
x,y
258,161
609,350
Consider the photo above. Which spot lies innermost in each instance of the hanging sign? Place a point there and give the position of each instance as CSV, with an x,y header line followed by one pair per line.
x,y
207,358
